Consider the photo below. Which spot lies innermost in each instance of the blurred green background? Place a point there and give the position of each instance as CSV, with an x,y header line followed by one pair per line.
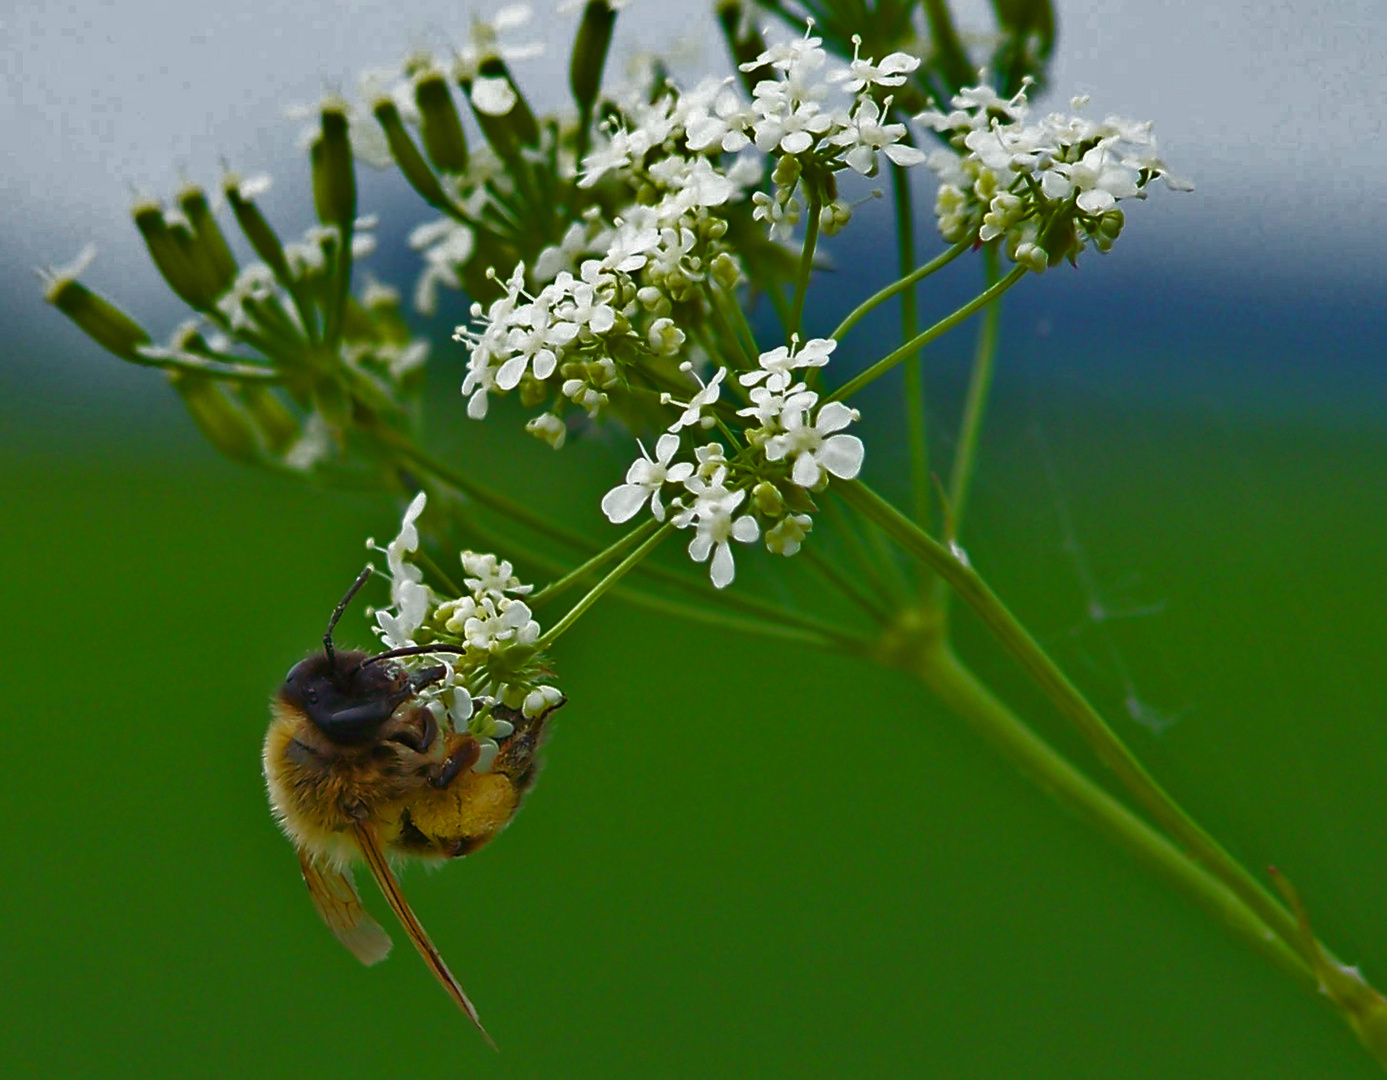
x,y
742,859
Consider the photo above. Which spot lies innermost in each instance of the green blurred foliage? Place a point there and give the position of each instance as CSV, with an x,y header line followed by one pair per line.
x,y
742,859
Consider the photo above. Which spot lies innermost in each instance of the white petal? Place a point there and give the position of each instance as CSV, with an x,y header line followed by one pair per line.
x,y
842,455
508,377
666,446
903,155
745,529
722,569
699,547
1095,201
621,503
834,416
806,472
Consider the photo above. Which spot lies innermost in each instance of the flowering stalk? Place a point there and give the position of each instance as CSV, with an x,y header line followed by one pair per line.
x,y
611,261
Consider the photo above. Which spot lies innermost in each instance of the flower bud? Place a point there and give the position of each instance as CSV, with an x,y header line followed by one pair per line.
x,y
412,164
1109,229
220,419
210,248
98,318
590,53
171,248
502,114
334,178
664,337
257,230
787,171
439,124
833,217
766,497
548,428
725,270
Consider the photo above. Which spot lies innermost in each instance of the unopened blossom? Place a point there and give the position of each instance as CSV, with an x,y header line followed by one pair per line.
x,y
644,481
787,534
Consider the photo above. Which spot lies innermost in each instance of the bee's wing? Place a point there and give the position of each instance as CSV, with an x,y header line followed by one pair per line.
x,y
375,859
335,897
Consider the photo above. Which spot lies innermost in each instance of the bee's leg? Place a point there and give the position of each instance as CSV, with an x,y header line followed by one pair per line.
x,y
462,755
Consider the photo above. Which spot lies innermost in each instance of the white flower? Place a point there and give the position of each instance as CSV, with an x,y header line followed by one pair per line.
x,y
865,134
780,361
408,596
892,70
536,337
644,479
693,409
814,448
780,216
498,623
715,528
1099,177
489,576
447,245
786,535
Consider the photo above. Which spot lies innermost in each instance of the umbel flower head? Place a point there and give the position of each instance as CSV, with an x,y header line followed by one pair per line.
x,y
1048,187
499,662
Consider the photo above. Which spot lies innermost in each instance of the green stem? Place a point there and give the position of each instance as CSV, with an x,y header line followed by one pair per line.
x,y
563,584
886,363
959,689
594,594
806,263
877,298
1075,707
484,496
782,626
961,476
918,445
479,493
845,527
830,573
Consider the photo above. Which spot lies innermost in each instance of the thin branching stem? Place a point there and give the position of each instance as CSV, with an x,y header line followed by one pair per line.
x,y
887,362
882,295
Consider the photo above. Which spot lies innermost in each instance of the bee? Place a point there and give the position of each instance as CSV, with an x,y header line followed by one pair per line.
x,y
359,768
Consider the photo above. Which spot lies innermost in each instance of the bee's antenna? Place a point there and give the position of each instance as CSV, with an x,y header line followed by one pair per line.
x,y
361,580
412,650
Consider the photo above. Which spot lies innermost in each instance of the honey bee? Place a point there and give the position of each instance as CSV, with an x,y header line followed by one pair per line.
x,y
358,767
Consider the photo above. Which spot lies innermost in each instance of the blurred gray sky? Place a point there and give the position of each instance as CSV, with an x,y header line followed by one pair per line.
x,y
1274,109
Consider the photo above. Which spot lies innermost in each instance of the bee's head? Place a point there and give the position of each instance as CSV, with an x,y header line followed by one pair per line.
x,y
347,699
348,696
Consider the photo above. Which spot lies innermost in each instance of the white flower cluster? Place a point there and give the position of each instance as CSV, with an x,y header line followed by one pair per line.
x,y
489,621
1048,186
792,445
579,336
791,117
